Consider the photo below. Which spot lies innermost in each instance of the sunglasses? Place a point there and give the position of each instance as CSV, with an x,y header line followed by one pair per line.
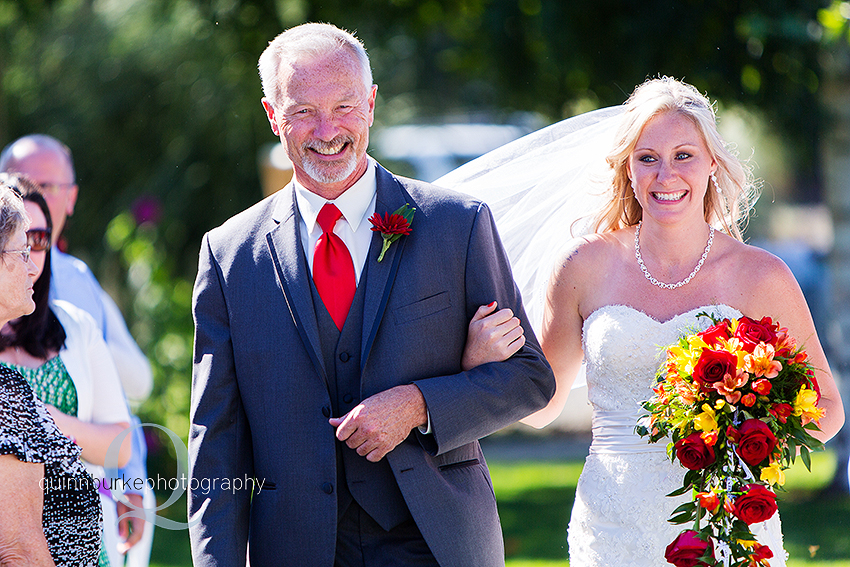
x,y
38,239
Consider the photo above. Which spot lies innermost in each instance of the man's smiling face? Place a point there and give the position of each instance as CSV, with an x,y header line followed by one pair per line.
x,y
323,118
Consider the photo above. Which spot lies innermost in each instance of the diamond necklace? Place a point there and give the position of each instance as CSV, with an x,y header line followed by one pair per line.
x,y
670,285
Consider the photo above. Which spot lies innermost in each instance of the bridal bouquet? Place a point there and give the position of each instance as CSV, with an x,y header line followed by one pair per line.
x,y
738,401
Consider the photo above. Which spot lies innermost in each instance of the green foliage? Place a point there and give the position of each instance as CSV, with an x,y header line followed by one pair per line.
x,y
161,309
159,101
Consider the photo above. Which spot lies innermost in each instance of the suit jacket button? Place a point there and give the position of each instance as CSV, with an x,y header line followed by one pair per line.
x,y
326,411
328,488
344,356
348,398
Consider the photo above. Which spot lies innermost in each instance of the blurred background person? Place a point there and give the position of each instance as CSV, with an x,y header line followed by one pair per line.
x,y
51,512
49,163
60,352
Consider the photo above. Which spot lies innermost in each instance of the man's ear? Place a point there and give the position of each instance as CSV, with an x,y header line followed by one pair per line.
x,y
372,94
71,201
270,115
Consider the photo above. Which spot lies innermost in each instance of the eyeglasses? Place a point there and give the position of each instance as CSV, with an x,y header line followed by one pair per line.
x,y
53,189
38,239
25,253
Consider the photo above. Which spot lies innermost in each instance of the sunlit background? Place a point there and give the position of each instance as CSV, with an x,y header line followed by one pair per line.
x,y
160,102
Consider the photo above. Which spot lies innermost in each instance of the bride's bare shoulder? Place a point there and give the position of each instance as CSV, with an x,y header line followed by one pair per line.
x,y
589,254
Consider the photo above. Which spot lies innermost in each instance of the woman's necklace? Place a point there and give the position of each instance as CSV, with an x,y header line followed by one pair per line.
x,y
670,285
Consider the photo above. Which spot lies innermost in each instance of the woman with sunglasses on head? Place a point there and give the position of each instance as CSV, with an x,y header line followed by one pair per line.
x,y
61,354
51,511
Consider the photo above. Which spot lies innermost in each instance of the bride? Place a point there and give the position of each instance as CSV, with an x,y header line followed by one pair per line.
x,y
666,245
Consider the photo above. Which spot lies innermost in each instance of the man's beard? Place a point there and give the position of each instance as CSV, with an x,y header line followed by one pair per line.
x,y
329,173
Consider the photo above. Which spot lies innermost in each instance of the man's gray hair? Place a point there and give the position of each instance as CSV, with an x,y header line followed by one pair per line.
x,y
307,41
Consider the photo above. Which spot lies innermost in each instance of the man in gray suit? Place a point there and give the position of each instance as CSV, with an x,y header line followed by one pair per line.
x,y
327,370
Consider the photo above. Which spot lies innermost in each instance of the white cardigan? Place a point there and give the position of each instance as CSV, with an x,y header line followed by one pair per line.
x,y
100,398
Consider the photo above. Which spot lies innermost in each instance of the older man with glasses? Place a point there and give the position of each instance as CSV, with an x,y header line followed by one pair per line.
x,y
49,164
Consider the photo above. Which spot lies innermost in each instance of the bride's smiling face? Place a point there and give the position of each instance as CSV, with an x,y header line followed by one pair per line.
x,y
670,167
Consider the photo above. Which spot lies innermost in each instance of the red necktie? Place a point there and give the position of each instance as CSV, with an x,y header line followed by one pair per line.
x,y
333,270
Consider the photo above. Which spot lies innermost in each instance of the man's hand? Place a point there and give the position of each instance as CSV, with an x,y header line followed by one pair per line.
x,y
379,423
492,337
131,528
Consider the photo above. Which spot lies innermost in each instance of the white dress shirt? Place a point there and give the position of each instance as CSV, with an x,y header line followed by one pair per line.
x,y
356,205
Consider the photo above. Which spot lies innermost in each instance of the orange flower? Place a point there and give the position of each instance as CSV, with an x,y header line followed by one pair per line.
x,y
785,343
709,437
709,501
687,392
749,400
800,357
728,386
761,362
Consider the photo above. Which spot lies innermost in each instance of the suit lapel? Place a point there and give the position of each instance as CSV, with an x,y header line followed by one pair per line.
x,y
290,263
381,275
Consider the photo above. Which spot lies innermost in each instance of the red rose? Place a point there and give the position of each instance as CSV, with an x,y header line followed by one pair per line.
x,y
757,504
713,366
756,441
687,549
751,332
781,411
713,334
693,452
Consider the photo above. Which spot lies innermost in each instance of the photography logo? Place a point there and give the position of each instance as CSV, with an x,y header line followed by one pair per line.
x,y
177,485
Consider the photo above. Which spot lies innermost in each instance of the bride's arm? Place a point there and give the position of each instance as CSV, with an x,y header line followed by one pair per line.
x,y
492,337
777,294
561,337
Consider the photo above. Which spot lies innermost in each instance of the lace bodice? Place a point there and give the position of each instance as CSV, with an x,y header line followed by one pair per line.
x,y
624,347
621,508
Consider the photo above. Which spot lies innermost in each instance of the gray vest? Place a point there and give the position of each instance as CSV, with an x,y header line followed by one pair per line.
x,y
372,485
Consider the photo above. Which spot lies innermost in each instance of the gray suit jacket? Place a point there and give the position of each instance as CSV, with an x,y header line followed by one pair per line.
x,y
260,390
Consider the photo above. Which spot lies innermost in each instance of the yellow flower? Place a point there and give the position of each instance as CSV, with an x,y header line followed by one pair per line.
x,y
686,358
696,343
773,474
706,420
806,405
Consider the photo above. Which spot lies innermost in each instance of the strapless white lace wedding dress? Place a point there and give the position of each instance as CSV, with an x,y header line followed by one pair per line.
x,y
620,513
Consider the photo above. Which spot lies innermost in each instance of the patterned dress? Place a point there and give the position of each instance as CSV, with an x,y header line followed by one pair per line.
x,y
72,518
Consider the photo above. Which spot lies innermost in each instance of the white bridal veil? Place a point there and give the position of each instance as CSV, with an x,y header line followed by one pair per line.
x,y
541,189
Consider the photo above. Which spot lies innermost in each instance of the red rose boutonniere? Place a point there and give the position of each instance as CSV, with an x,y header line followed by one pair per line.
x,y
392,226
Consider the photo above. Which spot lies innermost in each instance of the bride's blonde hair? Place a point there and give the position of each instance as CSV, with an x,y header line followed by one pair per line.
x,y
729,208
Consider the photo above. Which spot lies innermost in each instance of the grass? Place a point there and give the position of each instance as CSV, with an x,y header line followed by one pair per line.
x,y
535,499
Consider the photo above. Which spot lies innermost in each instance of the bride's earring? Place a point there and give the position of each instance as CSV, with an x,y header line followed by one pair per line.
x,y
716,184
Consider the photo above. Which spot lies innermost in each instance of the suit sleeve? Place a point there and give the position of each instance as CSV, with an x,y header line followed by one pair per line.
x,y
219,440
468,406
